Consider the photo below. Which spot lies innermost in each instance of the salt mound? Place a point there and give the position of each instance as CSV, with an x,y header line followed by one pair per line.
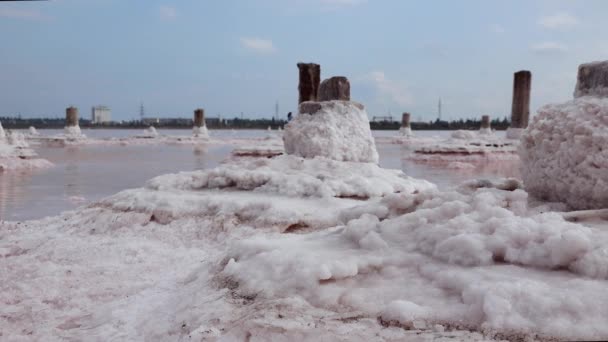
x,y
150,132
73,133
2,133
297,177
564,155
463,134
15,153
405,131
200,132
475,257
33,131
337,130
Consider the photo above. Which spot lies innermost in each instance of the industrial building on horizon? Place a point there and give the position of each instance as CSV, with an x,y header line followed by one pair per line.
x,y
100,114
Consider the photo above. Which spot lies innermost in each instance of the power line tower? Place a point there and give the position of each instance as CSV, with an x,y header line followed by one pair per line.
x,y
142,112
439,109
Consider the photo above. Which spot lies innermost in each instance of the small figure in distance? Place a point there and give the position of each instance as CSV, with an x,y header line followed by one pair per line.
x,y
289,116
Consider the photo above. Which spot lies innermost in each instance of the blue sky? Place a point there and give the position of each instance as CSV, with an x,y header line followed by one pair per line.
x,y
236,56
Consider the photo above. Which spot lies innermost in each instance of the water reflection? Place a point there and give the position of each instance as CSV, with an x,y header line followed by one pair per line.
x,y
88,173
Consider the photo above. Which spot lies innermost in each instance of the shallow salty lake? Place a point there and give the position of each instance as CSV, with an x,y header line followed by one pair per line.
x,y
88,173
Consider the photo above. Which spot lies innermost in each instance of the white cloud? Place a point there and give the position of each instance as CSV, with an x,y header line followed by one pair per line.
x,y
549,47
258,45
497,28
394,91
167,12
560,20
17,13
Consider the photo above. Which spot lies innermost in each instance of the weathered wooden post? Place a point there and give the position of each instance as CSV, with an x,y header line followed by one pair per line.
x,y
520,110
310,77
592,80
334,88
485,121
485,125
405,120
199,117
405,124
200,129
71,116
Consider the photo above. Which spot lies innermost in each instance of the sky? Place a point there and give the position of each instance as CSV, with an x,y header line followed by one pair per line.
x,y
239,56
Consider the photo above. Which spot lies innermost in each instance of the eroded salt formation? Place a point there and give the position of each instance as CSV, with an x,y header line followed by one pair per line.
x,y
15,153
563,151
336,130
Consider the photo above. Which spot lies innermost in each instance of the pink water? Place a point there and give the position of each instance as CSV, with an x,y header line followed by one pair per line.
x,y
85,174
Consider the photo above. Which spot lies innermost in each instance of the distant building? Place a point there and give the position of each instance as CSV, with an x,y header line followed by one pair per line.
x,y
100,114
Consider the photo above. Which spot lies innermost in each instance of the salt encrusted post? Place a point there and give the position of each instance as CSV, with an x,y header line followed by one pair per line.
x,y
520,109
335,88
485,122
71,116
199,117
405,120
310,76
592,80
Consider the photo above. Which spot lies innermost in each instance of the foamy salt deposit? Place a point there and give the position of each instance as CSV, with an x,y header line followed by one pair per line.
x,y
317,249
470,259
564,155
337,130
297,177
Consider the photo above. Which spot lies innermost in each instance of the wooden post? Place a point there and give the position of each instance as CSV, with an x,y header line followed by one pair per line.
x,y
310,77
520,109
405,120
71,116
592,80
334,88
199,117
485,122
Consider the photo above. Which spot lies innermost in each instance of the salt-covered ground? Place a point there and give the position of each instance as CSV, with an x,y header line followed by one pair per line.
x,y
150,136
288,248
456,150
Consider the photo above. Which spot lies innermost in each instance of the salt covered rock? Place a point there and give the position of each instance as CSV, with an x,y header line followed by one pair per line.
x,y
338,130
335,88
592,80
564,155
